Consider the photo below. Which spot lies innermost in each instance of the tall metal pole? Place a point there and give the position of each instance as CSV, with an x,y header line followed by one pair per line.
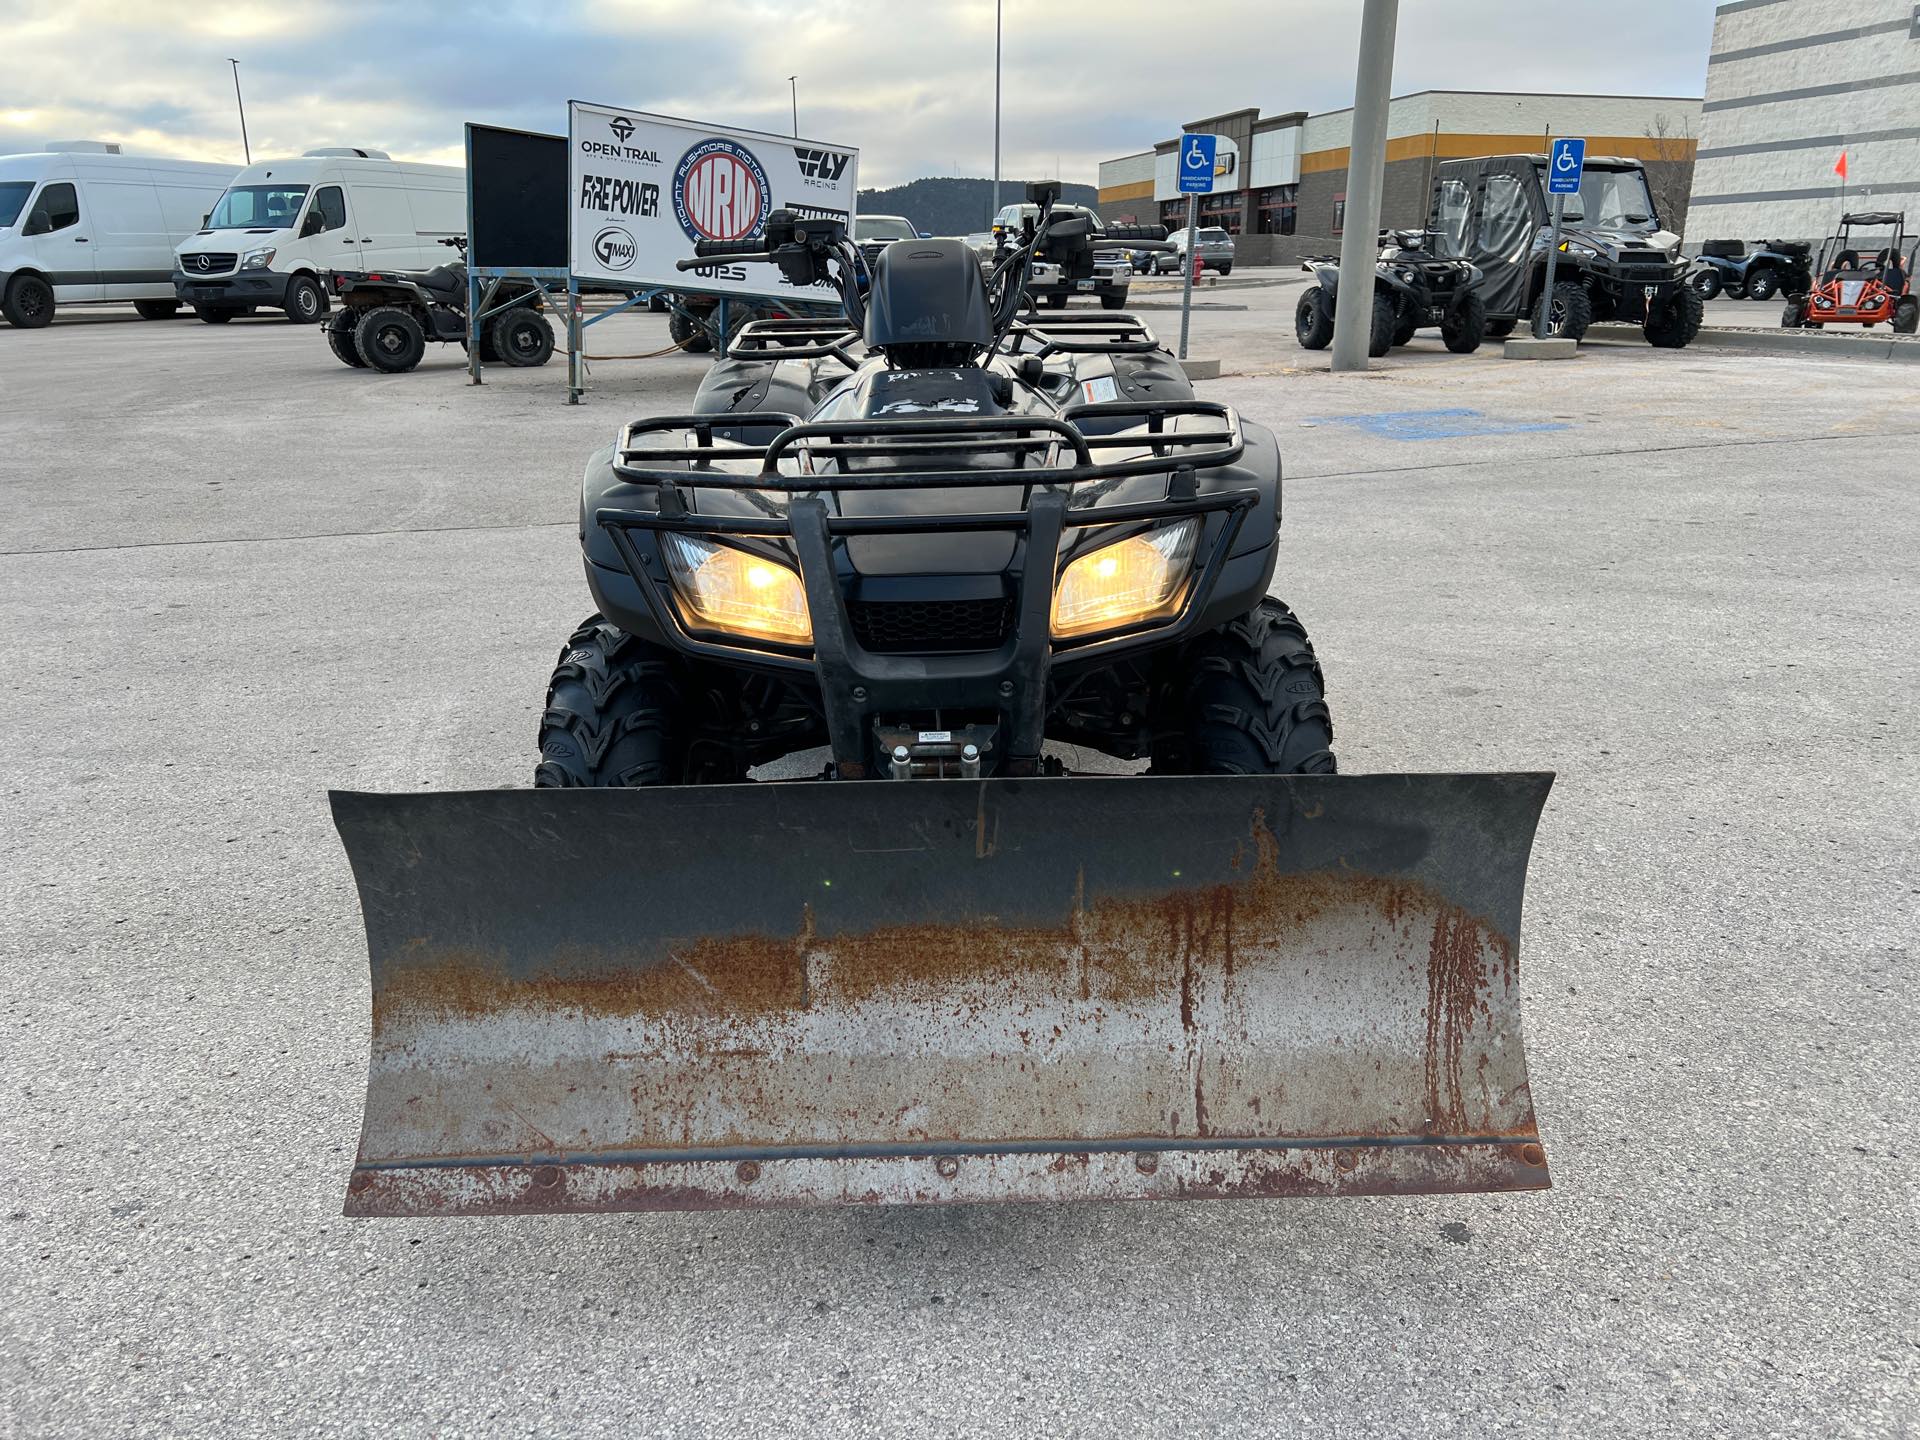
x,y
1366,169
793,85
996,110
245,147
1186,265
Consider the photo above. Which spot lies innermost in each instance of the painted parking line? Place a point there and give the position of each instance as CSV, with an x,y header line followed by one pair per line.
x,y
1434,424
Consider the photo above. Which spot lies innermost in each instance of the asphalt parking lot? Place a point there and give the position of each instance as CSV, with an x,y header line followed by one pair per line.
x,y
234,573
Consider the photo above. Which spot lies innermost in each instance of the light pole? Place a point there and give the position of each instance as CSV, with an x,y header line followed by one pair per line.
x,y
245,147
1366,169
996,111
793,88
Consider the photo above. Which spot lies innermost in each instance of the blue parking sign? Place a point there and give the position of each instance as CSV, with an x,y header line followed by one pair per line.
x,y
1569,157
1196,163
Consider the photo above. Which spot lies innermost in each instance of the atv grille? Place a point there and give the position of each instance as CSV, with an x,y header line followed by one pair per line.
x,y
897,626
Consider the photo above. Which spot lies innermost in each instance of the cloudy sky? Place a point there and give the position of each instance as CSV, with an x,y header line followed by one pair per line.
x,y
908,81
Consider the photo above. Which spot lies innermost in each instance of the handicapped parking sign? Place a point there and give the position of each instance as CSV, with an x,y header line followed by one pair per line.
x,y
1569,157
1196,163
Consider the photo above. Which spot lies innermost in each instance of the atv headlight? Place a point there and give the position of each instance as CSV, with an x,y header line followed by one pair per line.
x,y
730,590
1142,577
258,259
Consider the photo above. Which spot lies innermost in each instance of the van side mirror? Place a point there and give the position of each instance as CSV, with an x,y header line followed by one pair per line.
x,y
38,223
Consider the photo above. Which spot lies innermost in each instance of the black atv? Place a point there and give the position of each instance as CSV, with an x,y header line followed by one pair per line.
x,y
1615,262
931,536
1413,288
1771,267
383,319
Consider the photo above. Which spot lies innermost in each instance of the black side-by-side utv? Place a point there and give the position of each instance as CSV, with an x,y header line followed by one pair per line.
x,y
1615,261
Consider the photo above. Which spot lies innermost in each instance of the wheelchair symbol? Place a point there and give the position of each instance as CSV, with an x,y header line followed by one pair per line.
x,y
1564,160
1197,158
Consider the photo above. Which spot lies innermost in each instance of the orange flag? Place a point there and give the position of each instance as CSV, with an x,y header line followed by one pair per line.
x,y
1840,166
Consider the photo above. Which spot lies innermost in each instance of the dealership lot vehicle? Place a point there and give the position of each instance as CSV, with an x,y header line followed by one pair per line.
x,y
981,535
188,1021
1412,288
282,225
1616,262
81,224
1859,284
383,320
1757,272
1215,249
1048,285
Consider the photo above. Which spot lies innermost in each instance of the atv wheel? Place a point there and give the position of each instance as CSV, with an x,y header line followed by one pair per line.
x,y
390,339
1570,311
521,337
690,336
1113,302
614,714
28,304
1705,283
156,309
1906,315
1501,328
208,315
342,340
1313,319
1246,699
1673,319
1404,326
1762,285
1465,325
306,301
1794,317
1381,339
1053,302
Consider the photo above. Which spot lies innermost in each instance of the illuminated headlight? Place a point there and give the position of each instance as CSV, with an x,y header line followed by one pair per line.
x,y
728,589
257,259
1142,577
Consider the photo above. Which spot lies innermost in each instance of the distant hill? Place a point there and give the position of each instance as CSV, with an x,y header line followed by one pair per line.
x,y
950,205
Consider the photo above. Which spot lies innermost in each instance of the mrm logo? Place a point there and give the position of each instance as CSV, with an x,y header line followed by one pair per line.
x,y
622,128
821,167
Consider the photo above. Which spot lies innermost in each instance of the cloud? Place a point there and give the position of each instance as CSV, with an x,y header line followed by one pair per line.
x,y
908,81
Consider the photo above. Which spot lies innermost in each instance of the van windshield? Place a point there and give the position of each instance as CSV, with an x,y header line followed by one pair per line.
x,y
247,207
13,195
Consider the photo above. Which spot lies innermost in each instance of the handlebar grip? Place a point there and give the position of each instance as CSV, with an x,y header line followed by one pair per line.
x,y
729,247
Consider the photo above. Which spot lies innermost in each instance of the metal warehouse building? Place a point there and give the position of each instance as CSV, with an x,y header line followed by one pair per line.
x,y
1281,180
1790,86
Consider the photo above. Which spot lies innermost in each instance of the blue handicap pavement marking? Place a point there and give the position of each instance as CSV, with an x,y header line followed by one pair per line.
x,y
1435,424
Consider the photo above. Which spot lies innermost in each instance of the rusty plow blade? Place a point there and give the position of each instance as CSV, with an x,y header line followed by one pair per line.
x,y
881,993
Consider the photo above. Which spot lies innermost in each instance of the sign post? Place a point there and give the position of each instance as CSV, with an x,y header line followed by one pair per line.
x,y
1565,161
1196,178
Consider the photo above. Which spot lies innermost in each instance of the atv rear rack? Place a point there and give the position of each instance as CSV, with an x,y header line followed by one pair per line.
x,y
1083,333
1012,676
795,340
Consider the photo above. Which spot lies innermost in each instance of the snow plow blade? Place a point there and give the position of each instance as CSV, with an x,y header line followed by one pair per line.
x,y
833,993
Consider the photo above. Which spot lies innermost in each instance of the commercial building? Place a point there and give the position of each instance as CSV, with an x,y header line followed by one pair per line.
x,y
1791,86
1280,185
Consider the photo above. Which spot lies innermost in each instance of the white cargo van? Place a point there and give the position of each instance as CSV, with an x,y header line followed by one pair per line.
x,y
81,223
284,224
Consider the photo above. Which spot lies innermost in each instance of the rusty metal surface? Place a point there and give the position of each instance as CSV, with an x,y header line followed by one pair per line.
x,y
943,991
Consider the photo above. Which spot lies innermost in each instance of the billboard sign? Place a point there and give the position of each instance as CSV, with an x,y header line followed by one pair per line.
x,y
644,188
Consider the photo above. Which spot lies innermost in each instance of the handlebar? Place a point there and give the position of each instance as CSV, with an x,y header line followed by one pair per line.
x,y
718,248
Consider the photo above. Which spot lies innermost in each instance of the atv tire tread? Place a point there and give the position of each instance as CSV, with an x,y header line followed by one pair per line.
x,y
1465,325
1674,319
613,713
1380,341
1313,319
1577,307
1248,699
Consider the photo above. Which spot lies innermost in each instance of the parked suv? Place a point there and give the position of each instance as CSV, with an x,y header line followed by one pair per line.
x,y
1215,250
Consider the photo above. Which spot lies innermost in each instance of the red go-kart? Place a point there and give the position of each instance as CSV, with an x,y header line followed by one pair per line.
x,y
1858,285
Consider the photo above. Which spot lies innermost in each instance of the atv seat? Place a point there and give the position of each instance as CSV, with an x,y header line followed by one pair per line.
x,y
446,279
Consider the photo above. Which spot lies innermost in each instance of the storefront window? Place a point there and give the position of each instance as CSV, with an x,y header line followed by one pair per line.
x,y
1340,213
1275,209
1223,211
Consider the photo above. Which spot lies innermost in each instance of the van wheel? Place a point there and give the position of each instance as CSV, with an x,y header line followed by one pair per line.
x,y
391,340
306,301
156,309
207,315
28,303
522,337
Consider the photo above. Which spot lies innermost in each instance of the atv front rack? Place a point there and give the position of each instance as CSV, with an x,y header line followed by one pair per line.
x,y
858,684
